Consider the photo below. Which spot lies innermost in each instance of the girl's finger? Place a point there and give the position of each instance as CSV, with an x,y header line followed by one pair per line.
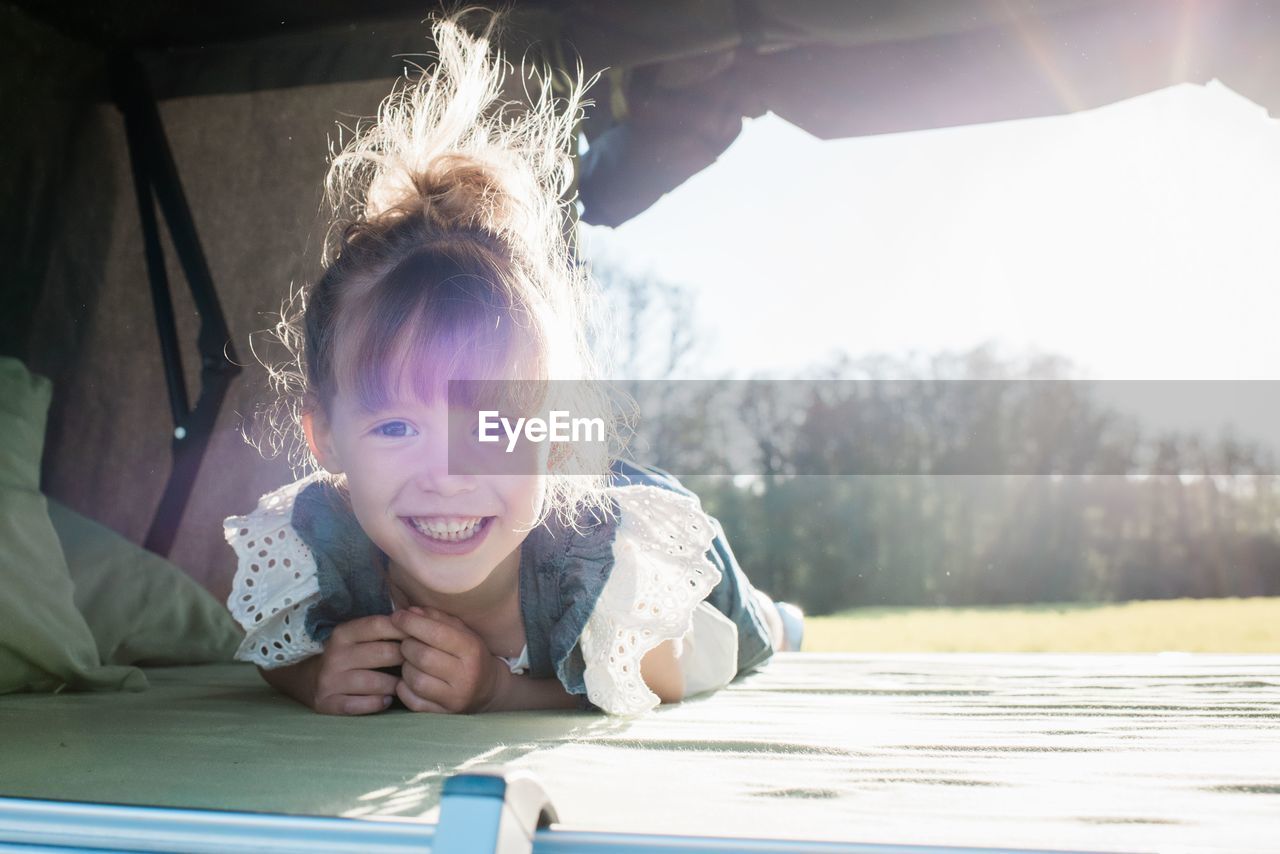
x,y
353,704
373,654
418,704
439,616
428,686
365,705
443,617
375,628
428,659
367,683
433,632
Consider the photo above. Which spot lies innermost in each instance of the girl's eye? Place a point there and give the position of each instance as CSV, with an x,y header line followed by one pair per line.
x,y
394,430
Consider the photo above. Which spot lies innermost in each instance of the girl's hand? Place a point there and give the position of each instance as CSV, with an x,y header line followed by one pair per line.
x,y
447,667
347,681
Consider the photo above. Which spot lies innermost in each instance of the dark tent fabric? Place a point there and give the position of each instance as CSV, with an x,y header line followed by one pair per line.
x,y
249,98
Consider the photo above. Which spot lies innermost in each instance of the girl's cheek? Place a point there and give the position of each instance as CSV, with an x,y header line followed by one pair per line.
x,y
495,458
373,466
522,497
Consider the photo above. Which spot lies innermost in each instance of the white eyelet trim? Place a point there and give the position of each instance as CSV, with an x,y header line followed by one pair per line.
x,y
275,582
660,574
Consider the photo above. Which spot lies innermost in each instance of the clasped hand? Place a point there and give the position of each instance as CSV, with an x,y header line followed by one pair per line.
x,y
445,667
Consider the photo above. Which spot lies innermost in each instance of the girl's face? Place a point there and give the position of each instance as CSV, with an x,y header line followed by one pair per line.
x,y
447,531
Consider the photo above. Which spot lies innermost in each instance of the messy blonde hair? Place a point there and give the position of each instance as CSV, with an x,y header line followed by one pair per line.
x,y
449,252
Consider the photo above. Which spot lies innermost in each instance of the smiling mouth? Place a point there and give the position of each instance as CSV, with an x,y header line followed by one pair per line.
x,y
449,529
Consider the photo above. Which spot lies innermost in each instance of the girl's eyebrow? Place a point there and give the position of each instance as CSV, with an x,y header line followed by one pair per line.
x,y
397,406
379,407
368,413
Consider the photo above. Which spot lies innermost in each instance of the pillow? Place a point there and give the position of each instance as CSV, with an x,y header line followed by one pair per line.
x,y
45,644
141,608
24,405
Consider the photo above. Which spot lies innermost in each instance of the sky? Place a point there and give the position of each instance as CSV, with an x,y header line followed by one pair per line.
x,y
1141,240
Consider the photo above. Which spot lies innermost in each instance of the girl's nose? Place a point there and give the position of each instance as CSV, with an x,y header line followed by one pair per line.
x,y
435,474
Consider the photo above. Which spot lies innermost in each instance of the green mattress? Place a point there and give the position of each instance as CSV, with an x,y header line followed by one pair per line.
x,y
1108,752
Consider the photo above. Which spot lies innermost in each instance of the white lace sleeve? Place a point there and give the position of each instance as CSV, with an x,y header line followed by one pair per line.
x,y
275,581
709,660
660,574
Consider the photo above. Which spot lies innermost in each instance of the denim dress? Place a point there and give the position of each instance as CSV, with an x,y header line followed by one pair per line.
x,y
562,573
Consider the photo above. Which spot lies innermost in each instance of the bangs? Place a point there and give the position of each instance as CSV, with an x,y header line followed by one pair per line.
x,y
433,319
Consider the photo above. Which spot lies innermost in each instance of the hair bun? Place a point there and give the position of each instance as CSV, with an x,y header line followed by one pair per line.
x,y
456,191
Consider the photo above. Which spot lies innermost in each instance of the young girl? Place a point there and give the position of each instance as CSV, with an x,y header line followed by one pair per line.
x,y
388,573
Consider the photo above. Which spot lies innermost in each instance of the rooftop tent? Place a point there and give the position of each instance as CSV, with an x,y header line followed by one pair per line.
x,y
142,253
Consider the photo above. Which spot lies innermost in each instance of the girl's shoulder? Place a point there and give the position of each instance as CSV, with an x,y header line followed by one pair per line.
x,y
276,504
275,579
654,517
624,472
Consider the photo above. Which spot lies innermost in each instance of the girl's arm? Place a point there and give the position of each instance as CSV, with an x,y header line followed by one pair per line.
x,y
296,680
660,669
518,692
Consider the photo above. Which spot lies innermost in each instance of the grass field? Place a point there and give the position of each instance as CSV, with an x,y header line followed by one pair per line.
x,y
1187,625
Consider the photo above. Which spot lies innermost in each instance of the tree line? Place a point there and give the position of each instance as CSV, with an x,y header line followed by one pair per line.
x,y
1113,510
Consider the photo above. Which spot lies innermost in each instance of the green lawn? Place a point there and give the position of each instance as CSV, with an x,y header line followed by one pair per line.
x,y
1188,625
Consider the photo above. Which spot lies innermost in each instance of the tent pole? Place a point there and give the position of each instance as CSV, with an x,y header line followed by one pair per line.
x,y
156,180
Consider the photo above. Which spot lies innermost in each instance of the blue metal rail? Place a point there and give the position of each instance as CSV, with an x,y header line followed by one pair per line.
x,y
493,811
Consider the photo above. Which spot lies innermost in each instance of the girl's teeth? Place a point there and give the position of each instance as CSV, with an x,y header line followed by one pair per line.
x,y
449,531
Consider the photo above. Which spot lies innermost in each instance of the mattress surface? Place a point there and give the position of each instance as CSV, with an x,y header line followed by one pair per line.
x,y
1106,752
